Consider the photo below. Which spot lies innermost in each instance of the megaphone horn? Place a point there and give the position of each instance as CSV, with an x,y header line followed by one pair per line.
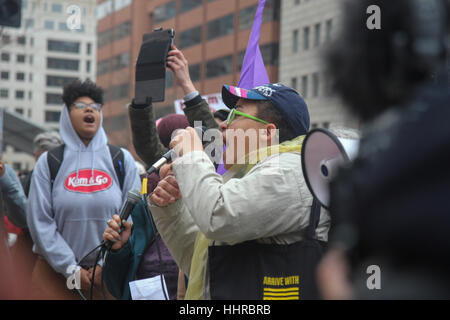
x,y
322,155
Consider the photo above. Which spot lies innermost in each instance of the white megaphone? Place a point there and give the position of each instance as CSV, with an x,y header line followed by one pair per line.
x,y
322,155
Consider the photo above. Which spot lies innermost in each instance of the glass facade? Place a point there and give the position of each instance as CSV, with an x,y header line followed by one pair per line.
x,y
219,67
59,81
53,98
63,64
164,12
187,5
189,37
63,46
220,27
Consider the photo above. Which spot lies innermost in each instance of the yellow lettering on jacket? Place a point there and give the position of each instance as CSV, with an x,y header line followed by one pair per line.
x,y
271,281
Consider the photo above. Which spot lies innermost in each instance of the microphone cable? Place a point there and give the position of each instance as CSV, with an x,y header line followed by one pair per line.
x,y
79,265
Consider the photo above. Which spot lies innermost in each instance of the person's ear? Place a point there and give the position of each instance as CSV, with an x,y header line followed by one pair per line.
x,y
270,133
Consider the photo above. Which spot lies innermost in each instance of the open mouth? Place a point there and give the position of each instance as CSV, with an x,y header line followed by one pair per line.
x,y
89,119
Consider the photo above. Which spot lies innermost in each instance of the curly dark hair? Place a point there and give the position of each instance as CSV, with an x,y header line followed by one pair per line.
x,y
77,89
373,70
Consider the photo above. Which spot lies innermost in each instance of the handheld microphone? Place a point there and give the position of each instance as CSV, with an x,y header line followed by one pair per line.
x,y
167,157
133,197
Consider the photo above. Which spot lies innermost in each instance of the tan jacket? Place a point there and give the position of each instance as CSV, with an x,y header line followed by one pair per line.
x,y
271,203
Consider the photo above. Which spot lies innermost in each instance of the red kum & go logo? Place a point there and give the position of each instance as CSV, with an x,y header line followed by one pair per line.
x,y
86,182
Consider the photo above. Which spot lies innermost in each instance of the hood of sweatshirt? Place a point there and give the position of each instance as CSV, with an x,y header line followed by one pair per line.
x,y
71,138
69,220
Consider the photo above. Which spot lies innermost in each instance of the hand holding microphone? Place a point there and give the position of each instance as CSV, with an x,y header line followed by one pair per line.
x,y
115,234
168,191
119,230
185,141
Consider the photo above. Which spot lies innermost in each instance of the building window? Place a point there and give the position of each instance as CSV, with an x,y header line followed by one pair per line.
x,y
5,56
53,98
195,72
4,93
103,9
294,83
29,113
296,2
104,38
116,123
306,38
20,76
220,27
190,37
63,46
56,8
59,81
30,95
219,67
62,26
121,61
118,92
20,94
295,41
326,125
88,48
21,40
52,116
49,25
4,75
122,30
317,30
269,53
62,64
187,5
103,67
304,92
29,23
6,39
120,4
19,110
329,29
88,66
21,58
271,13
164,12
315,84
31,77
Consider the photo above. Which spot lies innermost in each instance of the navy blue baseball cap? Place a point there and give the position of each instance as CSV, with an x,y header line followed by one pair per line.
x,y
287,101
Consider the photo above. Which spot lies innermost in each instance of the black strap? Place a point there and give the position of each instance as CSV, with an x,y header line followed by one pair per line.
x,y
55,157
314,218
54,160
118,162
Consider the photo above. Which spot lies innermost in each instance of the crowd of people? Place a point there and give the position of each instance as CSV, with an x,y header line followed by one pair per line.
x,y
247,226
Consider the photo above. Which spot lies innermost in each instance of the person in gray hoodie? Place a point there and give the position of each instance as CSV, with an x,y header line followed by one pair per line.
x,y
67,220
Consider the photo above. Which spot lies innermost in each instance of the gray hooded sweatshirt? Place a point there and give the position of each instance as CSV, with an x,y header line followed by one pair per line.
x,y
67,222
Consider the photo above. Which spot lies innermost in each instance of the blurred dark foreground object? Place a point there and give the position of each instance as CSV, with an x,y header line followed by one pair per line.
x,y
392,207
